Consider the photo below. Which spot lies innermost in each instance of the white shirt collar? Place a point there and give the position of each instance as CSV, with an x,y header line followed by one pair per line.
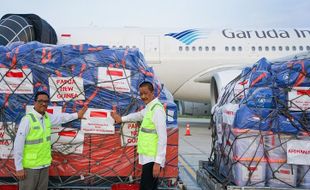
x,y
151,102
37,114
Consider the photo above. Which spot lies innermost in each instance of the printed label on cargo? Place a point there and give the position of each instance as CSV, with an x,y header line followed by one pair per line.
x,y
114,79
299,98
229,112
241,89
6,139
257,173
67,140
66,88
170,115
284,173
98,121
17,81
298,152
130,134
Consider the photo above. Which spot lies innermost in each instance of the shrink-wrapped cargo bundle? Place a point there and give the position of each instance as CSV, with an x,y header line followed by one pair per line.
x,y
85,152
264,130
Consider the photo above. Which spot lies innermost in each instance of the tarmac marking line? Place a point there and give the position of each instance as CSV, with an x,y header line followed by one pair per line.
x,y
188,169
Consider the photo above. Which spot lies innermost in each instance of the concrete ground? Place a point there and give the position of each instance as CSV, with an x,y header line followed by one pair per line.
x,y
192,149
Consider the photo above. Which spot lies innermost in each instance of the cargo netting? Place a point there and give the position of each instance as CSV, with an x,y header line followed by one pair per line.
x,y
91,152
261,126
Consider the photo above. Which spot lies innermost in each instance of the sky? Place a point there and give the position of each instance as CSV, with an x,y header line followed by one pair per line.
x,y
166,13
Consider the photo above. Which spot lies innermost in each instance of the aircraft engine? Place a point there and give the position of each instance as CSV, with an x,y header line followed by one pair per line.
x,y
218,81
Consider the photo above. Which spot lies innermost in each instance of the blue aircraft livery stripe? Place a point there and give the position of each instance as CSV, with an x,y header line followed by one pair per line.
x,y
187,36
184,33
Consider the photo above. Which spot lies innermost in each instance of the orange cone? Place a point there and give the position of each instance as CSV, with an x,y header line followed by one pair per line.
x,y
188,131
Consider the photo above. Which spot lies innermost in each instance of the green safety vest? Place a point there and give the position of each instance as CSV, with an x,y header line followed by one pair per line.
x,y
37,150
148,137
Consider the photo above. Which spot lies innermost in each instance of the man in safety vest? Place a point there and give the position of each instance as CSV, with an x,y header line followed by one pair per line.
x,y
32,145
152,138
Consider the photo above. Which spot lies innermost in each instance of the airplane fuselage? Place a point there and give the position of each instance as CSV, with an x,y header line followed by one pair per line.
x,y
181,57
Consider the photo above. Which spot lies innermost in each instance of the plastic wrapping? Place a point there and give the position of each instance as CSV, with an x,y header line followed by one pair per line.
x,y
281,175
249,173
93,151
262,126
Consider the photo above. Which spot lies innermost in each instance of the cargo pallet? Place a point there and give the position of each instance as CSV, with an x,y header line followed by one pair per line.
x,y
122,187
208,180
10,185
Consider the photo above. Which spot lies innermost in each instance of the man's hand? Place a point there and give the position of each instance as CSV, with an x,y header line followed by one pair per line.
x,y
20,174
82,112
156,170
116,117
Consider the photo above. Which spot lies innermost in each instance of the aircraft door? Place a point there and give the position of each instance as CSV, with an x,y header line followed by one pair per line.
x,y
151,49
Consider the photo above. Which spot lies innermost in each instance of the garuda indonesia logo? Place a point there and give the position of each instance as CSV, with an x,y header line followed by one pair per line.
x,y
188,36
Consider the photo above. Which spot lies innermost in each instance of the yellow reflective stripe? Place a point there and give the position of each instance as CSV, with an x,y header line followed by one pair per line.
x,y
32,117
38,141
36,127
145,130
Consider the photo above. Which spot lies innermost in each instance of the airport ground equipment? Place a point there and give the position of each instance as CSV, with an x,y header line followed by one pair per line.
x,y
92,153
261,128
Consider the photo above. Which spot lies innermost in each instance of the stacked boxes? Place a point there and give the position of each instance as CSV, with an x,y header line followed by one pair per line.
x,y
281,175
260,131
249,164
104,79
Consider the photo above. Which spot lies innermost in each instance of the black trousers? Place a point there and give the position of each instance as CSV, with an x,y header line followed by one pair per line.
x,y
148,182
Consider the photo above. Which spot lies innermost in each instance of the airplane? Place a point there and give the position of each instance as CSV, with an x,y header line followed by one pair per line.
x,y
195,64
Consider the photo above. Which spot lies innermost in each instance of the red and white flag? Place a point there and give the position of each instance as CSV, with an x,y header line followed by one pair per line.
x,y
18,81
114,79
98,121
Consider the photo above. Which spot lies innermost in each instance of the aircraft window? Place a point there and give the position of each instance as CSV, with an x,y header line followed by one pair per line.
x,y
301,48
253,48
193,48
233,48
120,46
273,48
226,48
180,48
266,48
280,48
308,48
114,46
260,48
239,48
186,48
200,48
294,48
213,48
134,47
287,48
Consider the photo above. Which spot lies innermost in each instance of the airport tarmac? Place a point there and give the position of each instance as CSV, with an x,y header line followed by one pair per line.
x,y
193,148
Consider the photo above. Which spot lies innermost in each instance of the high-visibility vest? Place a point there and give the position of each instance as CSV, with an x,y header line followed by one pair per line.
x,y
37,150
148,137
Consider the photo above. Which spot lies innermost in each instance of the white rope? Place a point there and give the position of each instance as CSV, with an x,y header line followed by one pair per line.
x,y
16,35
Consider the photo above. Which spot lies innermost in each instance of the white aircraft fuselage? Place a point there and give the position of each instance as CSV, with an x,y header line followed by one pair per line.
x,y
186,59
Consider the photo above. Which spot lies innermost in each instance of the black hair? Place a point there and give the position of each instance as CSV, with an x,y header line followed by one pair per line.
x,y
40,93
148,84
